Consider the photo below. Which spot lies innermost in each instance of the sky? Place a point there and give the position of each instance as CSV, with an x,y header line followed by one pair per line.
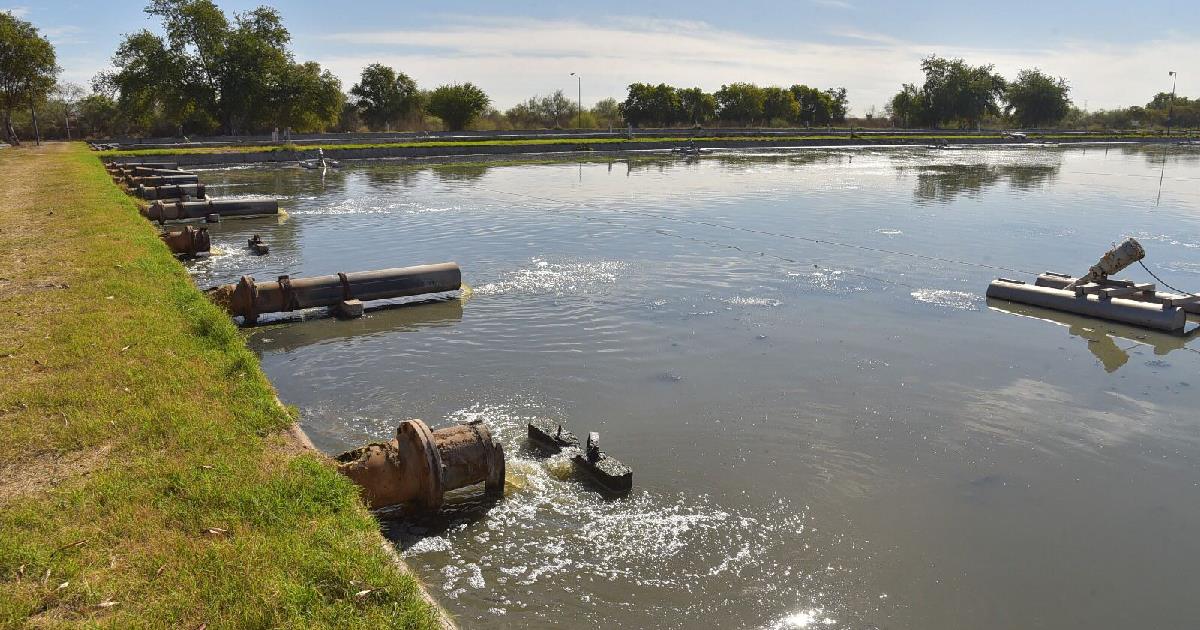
x,y
1113,53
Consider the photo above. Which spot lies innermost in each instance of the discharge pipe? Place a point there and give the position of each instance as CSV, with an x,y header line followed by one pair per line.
x,y
419,466
174,191
1112,262
190,241
161,180
249,298
162,211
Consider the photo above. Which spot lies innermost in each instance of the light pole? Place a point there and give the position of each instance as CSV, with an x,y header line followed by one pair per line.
x,y
579,100
1171,105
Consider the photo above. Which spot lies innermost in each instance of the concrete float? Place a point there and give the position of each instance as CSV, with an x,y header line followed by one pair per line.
x,y
1095,295
163,210
610,475
419,466
1189,303
345,292
189,241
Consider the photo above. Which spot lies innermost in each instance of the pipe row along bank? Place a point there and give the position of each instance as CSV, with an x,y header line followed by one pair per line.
x,y
178,195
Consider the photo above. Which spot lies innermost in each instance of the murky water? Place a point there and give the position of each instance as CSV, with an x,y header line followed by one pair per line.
x,y
829,424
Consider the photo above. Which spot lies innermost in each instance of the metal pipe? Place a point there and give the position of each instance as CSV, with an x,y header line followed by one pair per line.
x,y
1170,319
189,240
1062,281
161,180
249,299
168,165
142,171
174,191
1113,261
179,210
419,466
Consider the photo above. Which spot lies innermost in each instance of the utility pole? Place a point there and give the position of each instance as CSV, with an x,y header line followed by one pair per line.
x,y
1171,105
579,100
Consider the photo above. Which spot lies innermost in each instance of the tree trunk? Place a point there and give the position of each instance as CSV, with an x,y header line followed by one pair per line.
x,y
9,132
37,134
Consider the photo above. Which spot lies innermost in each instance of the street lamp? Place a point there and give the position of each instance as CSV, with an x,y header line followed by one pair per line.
x,y
1171,105
579,101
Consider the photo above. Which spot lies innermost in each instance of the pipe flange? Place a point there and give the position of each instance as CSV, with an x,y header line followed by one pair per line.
x,y
245,299
421,462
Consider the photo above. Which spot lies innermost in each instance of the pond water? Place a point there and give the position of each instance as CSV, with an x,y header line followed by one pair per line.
x,y
829,425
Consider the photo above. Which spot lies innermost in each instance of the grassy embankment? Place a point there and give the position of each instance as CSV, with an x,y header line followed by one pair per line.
x,y
586,142
146,476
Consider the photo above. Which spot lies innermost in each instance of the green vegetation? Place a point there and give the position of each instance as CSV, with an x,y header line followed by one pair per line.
x,y
145,479
210,74
27,70
457,105
954,92
1036,99
735,104
385,97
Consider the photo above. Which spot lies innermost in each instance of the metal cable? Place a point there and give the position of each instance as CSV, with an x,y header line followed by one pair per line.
x,y
1163,282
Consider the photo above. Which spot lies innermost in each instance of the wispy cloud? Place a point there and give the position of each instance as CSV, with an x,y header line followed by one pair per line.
x,y
832,4
66,34
15,11
515,58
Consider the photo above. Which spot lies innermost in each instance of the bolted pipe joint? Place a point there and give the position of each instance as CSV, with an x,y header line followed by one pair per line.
x,y
419,466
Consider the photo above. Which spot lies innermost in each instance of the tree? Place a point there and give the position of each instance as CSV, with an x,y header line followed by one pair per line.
x,y
457,105
211,72
779,105
27,70
698,107
69,94
607,112
813,107
954,90
555,107
385,96
838,104
1036,99
908,107
651,104
740,103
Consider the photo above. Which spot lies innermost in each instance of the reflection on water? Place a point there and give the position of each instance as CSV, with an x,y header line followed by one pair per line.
x,y
829,425
1101,336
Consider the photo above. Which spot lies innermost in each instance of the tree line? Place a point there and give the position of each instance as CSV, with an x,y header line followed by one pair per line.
x,y
210,73
736,103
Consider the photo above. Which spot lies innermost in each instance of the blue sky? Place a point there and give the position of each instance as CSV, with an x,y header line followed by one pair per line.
x,y
1113,53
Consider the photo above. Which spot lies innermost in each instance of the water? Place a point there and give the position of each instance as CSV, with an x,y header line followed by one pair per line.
x,y
830,426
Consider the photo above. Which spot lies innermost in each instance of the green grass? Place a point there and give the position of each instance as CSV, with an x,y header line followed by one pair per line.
x,y
144,479
585,142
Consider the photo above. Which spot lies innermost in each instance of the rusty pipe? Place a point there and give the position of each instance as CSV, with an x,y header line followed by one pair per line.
x,y
249,298
179,210
189,240
1113,261
174,191
145,171
161,180
419,466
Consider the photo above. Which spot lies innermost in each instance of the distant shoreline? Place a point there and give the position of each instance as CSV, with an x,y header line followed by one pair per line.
x,y
199,156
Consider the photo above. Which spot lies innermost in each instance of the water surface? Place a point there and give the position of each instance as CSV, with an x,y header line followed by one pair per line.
x,y
829,425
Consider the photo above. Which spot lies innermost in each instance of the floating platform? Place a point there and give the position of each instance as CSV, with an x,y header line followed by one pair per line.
x,y
1093,301
1132,291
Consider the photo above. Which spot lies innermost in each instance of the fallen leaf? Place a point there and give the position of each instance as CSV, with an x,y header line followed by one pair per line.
x,y
126,348
206,466
216,531
109,297
108,604
63,585
363,593
160,570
